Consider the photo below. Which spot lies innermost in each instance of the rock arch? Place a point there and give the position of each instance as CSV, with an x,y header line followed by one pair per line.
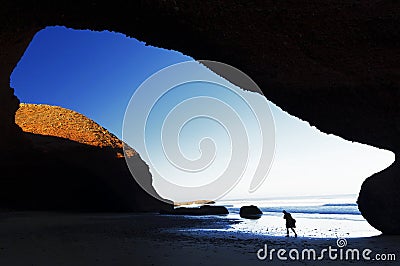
x,y
335,65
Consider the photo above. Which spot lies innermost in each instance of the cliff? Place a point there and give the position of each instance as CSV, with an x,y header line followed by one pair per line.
x,y
72,164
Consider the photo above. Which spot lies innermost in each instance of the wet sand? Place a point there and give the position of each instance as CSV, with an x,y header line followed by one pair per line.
x,y
41,238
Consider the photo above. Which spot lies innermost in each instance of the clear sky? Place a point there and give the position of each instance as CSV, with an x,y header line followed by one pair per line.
x,y
93,73
96,74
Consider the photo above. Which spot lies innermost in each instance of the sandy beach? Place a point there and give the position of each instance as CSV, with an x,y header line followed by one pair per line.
x,y
41,238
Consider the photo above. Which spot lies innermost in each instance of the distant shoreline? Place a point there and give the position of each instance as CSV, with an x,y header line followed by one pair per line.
x,y
291,197
194,202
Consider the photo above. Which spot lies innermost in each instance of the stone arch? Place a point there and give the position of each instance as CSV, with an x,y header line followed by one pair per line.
x,y
335,65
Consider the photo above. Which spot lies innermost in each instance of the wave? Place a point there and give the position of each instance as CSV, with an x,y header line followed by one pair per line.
x,y
322,209
340,204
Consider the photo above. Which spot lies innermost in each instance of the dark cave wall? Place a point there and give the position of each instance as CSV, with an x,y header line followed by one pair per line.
x,y
342,57
335,65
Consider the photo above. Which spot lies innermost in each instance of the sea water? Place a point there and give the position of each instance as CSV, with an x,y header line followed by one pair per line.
x,y
338,204
316,216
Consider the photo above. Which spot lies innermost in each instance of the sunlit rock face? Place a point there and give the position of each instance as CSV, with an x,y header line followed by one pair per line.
x,y
73,164
335,65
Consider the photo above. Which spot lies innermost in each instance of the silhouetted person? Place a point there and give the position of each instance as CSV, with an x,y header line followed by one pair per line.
x,y
290,223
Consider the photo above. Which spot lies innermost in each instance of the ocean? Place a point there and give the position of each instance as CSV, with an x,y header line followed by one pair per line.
x,y
317,217
337,204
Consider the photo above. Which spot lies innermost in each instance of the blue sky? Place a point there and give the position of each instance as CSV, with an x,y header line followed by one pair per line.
x,y
96,74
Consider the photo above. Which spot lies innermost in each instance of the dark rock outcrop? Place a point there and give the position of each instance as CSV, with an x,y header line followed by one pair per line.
x,y
250,212
202,210
380,203
335,64
70,176
72,164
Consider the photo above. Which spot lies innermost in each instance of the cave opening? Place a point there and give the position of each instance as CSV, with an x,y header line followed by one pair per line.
x,y
95,74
